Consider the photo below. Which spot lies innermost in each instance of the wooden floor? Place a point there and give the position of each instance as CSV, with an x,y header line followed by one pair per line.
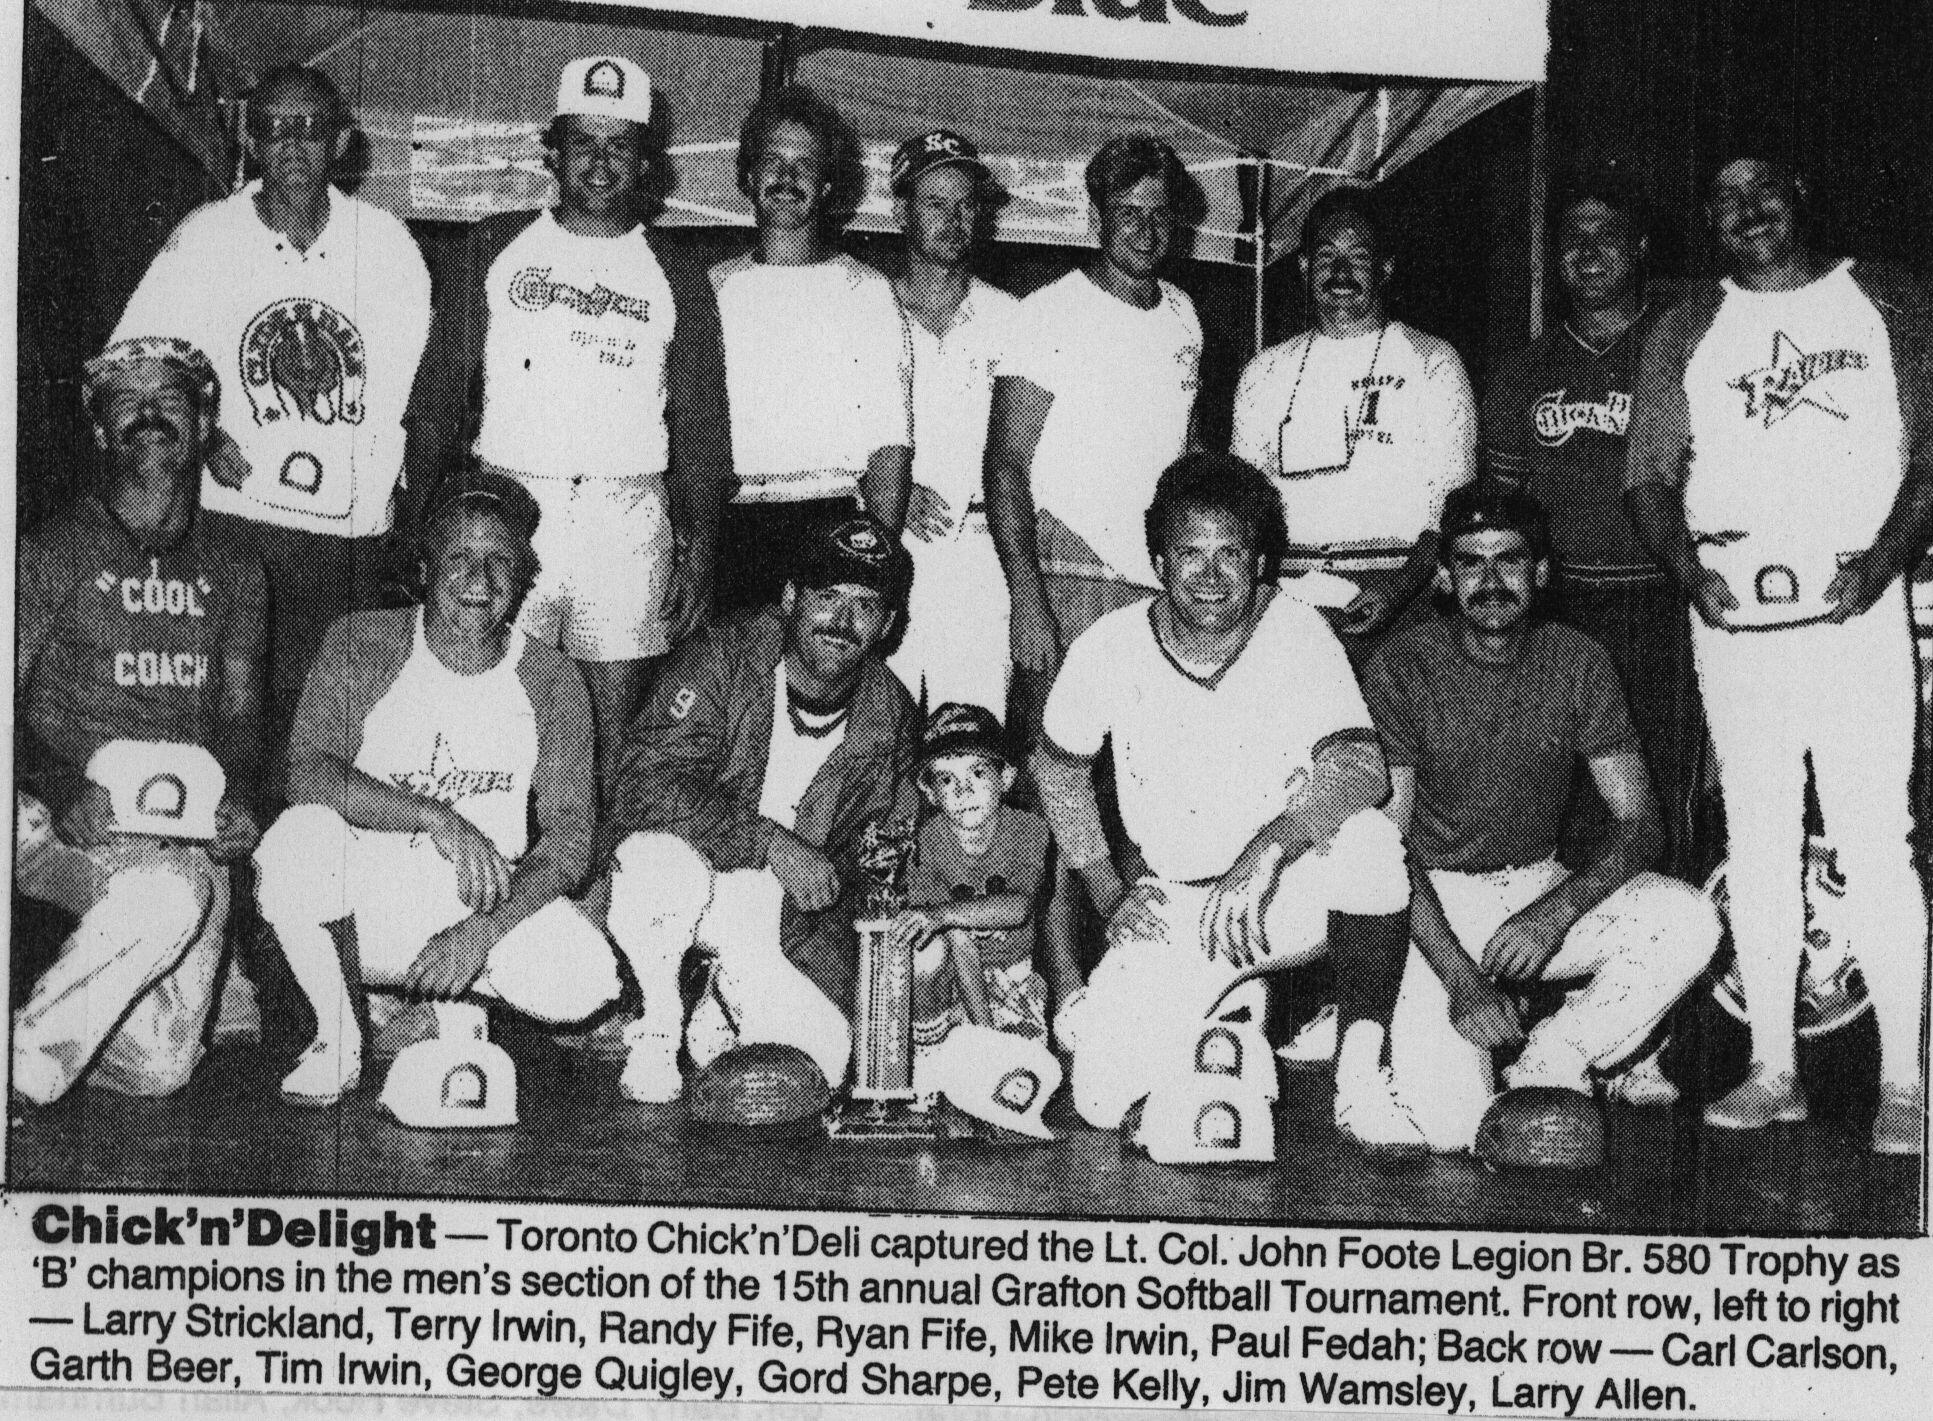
x,y
230,1133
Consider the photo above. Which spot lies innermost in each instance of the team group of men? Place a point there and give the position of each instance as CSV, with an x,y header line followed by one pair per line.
x,y
692,552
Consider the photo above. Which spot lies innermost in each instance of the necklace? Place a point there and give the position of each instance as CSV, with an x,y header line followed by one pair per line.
x,y
1375,356
1602,350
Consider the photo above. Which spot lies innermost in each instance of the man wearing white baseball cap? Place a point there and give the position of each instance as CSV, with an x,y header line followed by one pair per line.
x,y
578,354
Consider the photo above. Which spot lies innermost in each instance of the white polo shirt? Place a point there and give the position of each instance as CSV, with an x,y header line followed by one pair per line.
x,y
818,369
315,350
1124,382
953,395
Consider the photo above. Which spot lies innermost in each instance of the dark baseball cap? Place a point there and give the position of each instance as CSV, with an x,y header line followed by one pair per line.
x,y
958,729
486,488
1478,509
937,149
859,550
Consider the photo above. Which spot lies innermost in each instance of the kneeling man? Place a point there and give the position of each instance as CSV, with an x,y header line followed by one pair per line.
x,y
1483,715
1250,780
428,742
768,745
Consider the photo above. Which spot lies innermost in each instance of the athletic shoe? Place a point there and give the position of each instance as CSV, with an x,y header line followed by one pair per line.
x,y
651,1074
238,1016
323,1075
1315,1043
1644,1085
1758,1101
1900,1125
709,1034
1369,1115
37,1078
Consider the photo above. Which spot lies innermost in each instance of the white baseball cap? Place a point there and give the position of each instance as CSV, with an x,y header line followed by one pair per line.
x,y
995,1076
455,1080
1205,1119
160,787
605,86
1233,1052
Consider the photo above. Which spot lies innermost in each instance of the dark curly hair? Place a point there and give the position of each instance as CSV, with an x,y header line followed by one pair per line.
x,y
1125,161
1235,487
1614,189
795,103
1357,202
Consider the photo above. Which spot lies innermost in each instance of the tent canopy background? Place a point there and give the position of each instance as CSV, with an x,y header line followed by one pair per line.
x,y
451,100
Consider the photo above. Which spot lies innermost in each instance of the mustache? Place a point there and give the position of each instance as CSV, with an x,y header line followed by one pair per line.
x,y
150,424
1495,599
784,189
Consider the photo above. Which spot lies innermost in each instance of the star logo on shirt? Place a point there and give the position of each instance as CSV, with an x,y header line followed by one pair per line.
x,y
1777,389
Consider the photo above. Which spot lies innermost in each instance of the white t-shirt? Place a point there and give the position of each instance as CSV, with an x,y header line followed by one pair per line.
x,y
818,372
468,741
574,362
1797,441
315,350
1365,437
792,759
952,395
1124,382
1200,766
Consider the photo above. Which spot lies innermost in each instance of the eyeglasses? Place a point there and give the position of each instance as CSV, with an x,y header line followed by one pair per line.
x,y
281,127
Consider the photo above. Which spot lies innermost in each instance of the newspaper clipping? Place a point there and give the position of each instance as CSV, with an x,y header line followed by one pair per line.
x,y
1124,704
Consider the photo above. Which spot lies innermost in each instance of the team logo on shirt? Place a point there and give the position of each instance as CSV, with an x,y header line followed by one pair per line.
x,y
1777,389
303,360
446,782
1555,419
532,290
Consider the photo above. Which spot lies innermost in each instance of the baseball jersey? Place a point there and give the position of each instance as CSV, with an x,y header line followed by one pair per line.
x,y
574,355
1797,442
315,351
122,641
1554,423
952,394
1494,747
1202,765
493,746
818,372
1364,437
1124,382
1015,861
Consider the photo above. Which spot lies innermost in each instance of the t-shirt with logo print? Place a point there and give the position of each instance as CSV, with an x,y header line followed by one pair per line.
x,y
1015,862
1494,747
1554,422
118,641
316,351
1797,441
574,356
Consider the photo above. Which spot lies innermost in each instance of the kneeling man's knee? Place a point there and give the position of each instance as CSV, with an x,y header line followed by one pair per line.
x,y
658,876
300,864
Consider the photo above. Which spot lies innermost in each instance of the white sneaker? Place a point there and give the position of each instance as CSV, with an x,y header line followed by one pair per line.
x,y
1644,1085
323,1075
37,1077
1315,1043
238,1016
1369,1114
650,1074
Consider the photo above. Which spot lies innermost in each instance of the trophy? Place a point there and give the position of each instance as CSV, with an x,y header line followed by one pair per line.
x,y
883,1104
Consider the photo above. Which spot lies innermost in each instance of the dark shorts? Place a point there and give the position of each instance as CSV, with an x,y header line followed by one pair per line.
x,y
757,545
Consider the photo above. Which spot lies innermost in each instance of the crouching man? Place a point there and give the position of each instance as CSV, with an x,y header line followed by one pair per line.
x,y
1483,716
427,743
137,623
768,744
1250,780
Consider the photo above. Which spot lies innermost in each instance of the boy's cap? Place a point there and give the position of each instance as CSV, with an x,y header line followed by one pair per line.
x,y
860,551
956,729
938,149
605,86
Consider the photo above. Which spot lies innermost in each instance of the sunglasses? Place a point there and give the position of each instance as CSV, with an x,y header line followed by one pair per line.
x,y
280,127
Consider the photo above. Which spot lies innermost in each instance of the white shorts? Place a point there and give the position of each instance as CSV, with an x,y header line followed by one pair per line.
x,y
606,549
956,644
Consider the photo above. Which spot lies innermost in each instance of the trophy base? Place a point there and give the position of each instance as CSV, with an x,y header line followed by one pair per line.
x,y
884,1121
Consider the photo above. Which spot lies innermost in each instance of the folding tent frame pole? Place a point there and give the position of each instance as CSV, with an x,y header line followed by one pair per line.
x,y
1537,190
1259,247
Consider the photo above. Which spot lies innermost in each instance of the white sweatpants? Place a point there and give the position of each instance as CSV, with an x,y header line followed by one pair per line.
x,y
956,645
666,899
1640,948
1147,998
315,869
130,992
1845,695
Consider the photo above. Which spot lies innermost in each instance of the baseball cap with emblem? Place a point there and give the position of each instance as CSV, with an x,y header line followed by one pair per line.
x,y
860,551
937,149
957,729
160,787
179,356
485,488
1207,1119
995,1076
1471,509
605,86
